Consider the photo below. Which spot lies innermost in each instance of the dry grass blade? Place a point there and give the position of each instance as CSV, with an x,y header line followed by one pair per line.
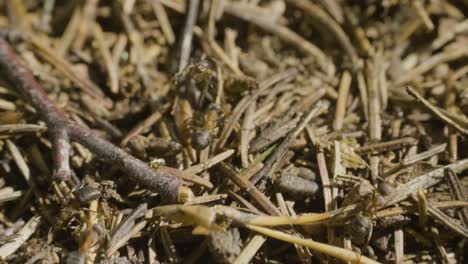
x,y
243,12
272,162
106,55
247,100
145,124
387,146
447,55
458,192
270,136
210,162
413,159
436,111
247,127
64,66
340,253
163,21
399,245
206,199
447,220
343,93
375,120
251,248
334,8
289,117
19,160
21,128
125,237
7,105
22,236
187,34
318,14
250,188
186,176
424,155
423,15
126,229
423,182
9,194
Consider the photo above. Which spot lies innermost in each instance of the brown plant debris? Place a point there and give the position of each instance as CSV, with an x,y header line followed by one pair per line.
x,y
233,131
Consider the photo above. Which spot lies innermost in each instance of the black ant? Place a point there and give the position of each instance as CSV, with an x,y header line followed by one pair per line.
x,y
196,84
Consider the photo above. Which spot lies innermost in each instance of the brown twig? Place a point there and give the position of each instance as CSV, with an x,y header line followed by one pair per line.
x,y
447,220
458,192
163,20
137,48
423,182
247,127
61,130
247,100
328,200
145,124
66,68
436,111
124,227
436,59
399,245
423,15
408,161
335,9
271,135
248,186
272,163
387,146
343,93
244,12
103,49
15,129
187,35
375,119
323,18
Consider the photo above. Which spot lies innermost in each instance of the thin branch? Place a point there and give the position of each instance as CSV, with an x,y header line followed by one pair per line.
x,y
321,16
245,13
270,135
447,220
436,59
24,81
272,162
60,128
247,127
341,253
387,146
343,93
14,129
247,186
436,111
187,35
458,192
423,182
163,20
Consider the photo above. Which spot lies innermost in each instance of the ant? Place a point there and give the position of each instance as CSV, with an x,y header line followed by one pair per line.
x,y
195,86
361,226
